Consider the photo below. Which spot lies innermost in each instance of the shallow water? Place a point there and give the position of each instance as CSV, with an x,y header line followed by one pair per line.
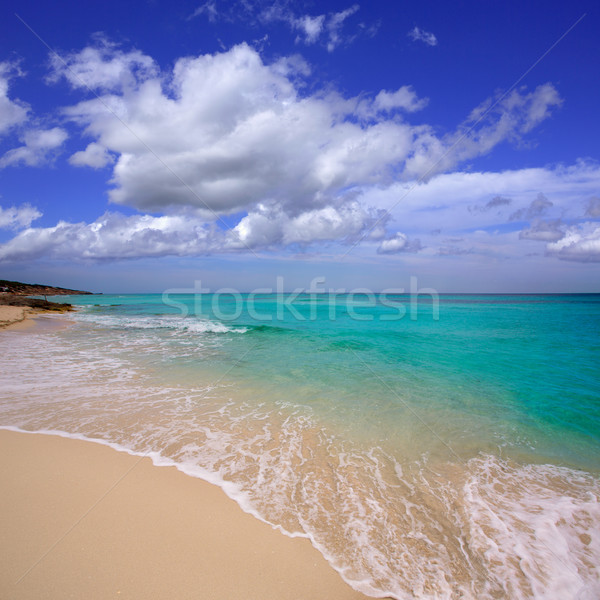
x,y
450,457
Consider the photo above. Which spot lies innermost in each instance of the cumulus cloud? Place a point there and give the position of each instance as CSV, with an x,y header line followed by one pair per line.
x,y
398,243
450,195
310,26
39,146
544,231
95,156
115,235
404,98
227,131
112,236
578,244
228,134
12,112
449,203
103,67
265,227
325,27
18,217
537,208
418,34
442,200
237,132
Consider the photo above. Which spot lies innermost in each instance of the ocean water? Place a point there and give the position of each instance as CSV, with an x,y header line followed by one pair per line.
x,y
429,449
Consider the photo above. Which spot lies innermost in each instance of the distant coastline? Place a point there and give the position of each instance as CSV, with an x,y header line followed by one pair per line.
x,y
16,288
17,305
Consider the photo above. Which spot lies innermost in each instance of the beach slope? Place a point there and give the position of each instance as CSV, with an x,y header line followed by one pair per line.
x,y
80,520
10,315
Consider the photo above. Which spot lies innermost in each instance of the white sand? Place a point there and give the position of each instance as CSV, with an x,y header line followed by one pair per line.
x,y
80,520
12,314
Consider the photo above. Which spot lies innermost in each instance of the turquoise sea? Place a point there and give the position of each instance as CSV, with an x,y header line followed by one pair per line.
x,y
429,447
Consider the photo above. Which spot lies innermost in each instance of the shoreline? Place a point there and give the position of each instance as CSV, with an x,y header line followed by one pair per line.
x,y
84,520
23,318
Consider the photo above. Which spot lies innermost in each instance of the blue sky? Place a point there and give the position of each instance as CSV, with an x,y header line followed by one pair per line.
x,y
146,145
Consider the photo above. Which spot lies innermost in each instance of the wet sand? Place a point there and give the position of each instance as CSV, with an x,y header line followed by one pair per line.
x,y
82,520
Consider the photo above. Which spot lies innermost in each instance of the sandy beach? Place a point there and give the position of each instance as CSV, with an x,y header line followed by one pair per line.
x,y
80,520
10,316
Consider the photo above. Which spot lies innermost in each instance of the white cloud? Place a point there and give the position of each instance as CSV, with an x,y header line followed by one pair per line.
x,y
267,227
420,35
398,243
18,217
115,235
209,9
227,134
39,144
38,148
95,156
228,131
335,24
491,123
111,236
103,67
12,112
578,244
445,202
237,132
311,27
326,28
461,204
404,98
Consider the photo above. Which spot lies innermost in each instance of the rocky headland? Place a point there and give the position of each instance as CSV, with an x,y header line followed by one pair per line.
x,y
16,303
